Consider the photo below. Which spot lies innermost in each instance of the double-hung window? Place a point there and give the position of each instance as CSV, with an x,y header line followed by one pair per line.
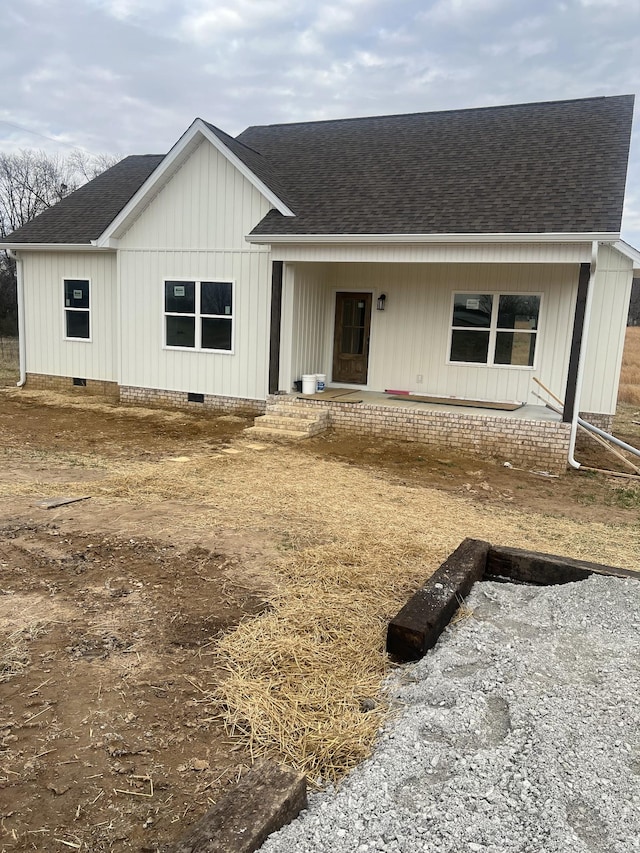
x,y
77,310
495,329
199,315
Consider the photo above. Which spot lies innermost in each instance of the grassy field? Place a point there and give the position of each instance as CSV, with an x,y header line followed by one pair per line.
x,y
9,371
630,374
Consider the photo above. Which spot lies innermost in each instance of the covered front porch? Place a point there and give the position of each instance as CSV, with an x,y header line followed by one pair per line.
x,y
473,321
433,329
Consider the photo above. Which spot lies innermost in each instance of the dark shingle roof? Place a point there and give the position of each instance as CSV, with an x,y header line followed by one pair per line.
x,y
531,168
260,167
84,214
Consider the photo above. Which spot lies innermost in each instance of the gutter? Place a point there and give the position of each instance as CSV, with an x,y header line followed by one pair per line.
x,y
582,357
22,344
501,237
50,247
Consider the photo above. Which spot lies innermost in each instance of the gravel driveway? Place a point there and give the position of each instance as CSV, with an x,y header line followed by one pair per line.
x,y
519,732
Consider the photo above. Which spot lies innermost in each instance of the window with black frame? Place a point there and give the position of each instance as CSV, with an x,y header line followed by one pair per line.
x,y
495,329
199,315
77,309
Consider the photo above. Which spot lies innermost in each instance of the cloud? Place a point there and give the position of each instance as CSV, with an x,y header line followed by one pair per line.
x,y
133,10
130,75
456,11
211,21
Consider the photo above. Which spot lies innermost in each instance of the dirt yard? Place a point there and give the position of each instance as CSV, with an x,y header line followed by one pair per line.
x,y
211,595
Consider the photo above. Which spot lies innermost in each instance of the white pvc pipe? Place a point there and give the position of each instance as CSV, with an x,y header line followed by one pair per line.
x,y
22,344
582,356
597,431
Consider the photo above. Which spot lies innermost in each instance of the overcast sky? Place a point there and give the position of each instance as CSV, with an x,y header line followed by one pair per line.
x,y
129,76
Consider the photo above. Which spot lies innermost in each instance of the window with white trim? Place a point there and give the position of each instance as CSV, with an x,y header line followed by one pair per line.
x,y
496,329
198,315
77,310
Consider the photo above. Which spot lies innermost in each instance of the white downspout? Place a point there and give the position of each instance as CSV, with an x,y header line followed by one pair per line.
x,y
582,356
22,344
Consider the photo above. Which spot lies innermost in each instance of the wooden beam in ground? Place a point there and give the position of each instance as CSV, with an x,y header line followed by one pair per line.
x,y
54,503
264,800
418,625
532,567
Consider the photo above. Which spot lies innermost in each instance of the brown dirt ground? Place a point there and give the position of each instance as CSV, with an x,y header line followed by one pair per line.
x,y
107,639
110,611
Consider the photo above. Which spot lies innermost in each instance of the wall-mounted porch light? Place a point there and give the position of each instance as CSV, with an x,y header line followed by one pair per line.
x,y
381,301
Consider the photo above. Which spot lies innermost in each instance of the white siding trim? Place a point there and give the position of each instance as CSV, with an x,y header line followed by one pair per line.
x,y
487,237
167,168
629,252
227,251
54,247
454,253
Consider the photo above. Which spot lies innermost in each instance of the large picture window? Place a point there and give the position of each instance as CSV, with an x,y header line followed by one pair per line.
x,y
77,325
199,315
494,328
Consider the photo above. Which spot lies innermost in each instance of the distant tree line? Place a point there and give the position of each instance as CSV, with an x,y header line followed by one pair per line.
x,y
30,182
634,305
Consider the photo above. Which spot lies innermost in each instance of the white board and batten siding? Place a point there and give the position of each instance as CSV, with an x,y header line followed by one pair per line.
x,y
47,351
194,229
306,322
410,338
606,334
444,253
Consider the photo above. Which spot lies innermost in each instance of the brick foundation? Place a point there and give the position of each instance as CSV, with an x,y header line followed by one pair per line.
x,y
584,441
542,445
149,397
65,385
155,398
599,420
524,443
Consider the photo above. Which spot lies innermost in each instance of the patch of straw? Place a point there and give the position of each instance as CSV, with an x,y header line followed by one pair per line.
x,y
303,681
14,657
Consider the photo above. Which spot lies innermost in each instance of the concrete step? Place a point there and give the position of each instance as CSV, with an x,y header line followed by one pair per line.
x,y
288,411
282,422
266,432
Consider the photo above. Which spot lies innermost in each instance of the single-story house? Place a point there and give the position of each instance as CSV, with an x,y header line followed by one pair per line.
x,y
459,256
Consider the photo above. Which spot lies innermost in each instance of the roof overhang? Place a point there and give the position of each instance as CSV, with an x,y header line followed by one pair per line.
x,y
54,247
629,252
185,146
603,237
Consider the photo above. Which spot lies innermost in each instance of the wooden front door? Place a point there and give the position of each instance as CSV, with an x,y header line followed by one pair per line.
x,y
351,338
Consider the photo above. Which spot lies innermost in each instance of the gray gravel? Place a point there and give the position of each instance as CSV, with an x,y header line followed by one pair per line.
x,y
519,732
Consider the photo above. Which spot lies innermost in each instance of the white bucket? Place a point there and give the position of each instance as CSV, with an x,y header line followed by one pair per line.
x,y
321,379
309,384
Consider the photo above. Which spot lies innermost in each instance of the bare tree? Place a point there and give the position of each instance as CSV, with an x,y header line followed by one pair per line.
x,y
30,182
85,167
634,304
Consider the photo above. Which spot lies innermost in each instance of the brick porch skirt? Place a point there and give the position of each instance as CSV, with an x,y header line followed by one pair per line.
x,y
542,445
